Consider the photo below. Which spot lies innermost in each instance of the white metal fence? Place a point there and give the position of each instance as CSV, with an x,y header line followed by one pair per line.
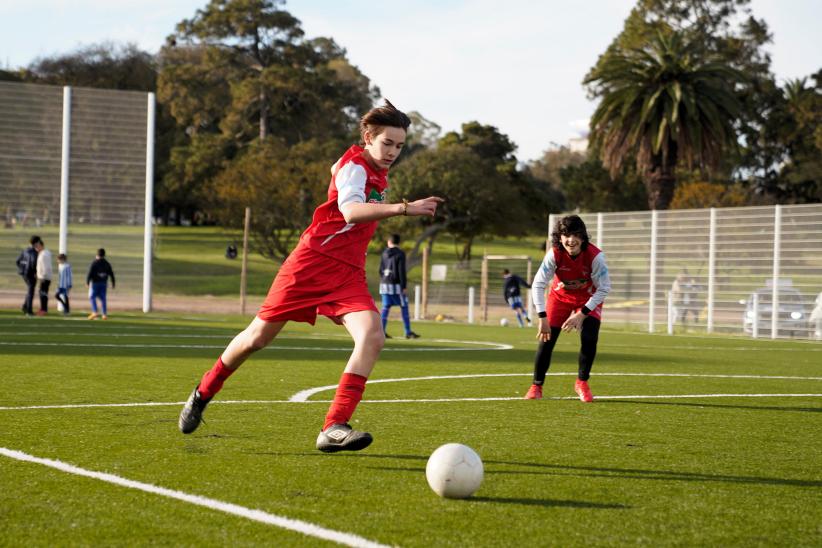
x,y
735,265
76,168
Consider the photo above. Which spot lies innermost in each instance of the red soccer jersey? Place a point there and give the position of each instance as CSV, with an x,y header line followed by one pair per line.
x,y
329,233
572,281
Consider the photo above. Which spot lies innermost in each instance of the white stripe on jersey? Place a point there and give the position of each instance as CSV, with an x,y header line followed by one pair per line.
x,y
350,182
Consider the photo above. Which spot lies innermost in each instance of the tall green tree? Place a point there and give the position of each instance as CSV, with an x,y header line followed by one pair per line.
x,y
728,31
554,159
589,187
282,184
661,103
241,72
247,64
799,132
106,65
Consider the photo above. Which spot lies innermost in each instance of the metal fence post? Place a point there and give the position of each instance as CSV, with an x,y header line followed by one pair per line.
x,y
777,251
711,270
652,273
64,170
670,312
149,207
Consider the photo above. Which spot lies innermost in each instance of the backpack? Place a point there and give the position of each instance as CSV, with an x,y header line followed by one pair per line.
x,y
27,263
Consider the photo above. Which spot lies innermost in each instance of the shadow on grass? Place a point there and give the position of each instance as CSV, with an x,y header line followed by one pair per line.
x,y
635,473
548,503
592,471
717,405
551,503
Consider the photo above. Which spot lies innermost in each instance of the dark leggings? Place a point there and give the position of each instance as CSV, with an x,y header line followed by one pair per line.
x,y
587,351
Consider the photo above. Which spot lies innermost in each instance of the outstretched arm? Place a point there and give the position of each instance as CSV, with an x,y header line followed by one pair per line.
x,y
361,212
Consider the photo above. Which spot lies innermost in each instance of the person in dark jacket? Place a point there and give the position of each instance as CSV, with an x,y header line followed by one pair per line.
x,y
393,283
97,279
27,268
511,291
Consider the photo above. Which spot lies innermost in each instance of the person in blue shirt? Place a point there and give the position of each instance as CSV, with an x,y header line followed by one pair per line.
x,y
63,282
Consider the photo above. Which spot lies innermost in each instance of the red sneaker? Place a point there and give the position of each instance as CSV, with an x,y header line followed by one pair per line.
x,y
534,393
583,391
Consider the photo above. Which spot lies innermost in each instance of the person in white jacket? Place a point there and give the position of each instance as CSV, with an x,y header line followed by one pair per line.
x,y
44,275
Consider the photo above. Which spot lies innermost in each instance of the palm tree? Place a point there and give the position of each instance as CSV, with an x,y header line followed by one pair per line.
x,y
662,104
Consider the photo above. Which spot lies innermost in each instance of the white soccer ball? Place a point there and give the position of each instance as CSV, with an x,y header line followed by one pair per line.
x,y
454,471
504,322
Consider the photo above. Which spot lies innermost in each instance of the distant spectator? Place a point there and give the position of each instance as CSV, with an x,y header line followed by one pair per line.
x,y
684,295
97,280
393,285
231,251
27,268
63,282
44,274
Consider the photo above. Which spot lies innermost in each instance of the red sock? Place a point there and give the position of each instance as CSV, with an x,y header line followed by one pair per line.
x,y
214,378
349,394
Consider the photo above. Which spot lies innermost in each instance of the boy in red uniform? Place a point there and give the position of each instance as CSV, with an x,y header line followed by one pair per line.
x,y
325,274
579,281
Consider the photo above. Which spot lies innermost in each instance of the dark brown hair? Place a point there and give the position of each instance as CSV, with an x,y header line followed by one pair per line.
x,y
378,118
566,226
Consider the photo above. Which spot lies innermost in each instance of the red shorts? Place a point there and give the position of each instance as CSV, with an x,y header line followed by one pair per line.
x,y
309,283
559,311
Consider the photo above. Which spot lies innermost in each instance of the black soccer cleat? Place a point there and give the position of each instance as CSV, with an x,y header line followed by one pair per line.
x,y
412,335
341,437
192,414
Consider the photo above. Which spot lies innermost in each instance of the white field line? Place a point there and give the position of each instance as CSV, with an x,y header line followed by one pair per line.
x,y
299,526
631,397
488,346
422,400
302,396
227,336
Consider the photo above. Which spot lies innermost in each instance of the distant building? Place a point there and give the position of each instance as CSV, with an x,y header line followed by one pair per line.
x,y
578,144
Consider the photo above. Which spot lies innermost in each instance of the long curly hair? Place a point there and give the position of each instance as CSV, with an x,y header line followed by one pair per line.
x,y
570,224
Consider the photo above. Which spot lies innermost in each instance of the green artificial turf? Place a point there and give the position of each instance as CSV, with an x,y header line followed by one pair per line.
x,y
701,471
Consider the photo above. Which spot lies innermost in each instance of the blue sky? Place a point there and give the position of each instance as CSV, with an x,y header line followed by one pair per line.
x,y
518,68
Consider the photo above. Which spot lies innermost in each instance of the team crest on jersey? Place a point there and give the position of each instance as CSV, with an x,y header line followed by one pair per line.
x,y
376,197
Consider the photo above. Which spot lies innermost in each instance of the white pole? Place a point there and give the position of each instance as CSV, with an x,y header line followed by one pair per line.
x,y
652,273
417,302
149,211
471,304
755,324
711,270
777,251
670,312
600,238
64,170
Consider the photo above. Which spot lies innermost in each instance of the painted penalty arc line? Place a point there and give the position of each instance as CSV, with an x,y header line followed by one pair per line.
x,y
299,526
303,395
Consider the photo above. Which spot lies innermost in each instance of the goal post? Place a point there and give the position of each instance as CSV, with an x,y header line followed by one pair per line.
x,y
486,260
